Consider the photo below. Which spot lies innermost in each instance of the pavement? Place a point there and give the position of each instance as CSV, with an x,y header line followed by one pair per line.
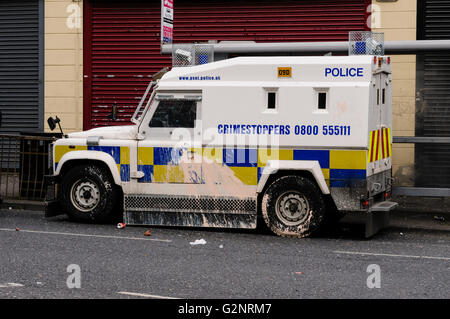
x,y
425,213
38,255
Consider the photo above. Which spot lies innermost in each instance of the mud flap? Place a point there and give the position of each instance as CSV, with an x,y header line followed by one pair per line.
x,y
53,208
52,205
377,218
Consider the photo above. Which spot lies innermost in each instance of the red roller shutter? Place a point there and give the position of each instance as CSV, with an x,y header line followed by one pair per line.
x,y
121,39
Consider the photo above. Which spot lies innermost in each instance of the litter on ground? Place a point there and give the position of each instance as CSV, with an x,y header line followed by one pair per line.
x,y
198,242
148,233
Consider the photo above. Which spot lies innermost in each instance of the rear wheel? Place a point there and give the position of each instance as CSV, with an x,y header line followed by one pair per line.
x,y
293,206
88,194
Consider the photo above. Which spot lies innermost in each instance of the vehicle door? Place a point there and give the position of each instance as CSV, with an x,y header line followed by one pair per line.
x,y
167,152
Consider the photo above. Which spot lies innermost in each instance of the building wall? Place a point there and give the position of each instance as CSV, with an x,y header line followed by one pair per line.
x,y
63,64
398,21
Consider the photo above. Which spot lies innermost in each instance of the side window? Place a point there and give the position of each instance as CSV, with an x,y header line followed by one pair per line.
x,y
321,97
322,101
175,113
271,100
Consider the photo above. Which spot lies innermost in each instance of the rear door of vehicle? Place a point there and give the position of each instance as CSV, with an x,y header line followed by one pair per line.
x,y
375,116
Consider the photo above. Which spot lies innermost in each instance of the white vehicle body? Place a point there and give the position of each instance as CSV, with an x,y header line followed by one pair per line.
x,y
327,118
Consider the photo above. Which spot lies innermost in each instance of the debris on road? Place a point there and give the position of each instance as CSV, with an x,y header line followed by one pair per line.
x,y
220,246
120,225
198,242
148,233
17,228
439,218
11,285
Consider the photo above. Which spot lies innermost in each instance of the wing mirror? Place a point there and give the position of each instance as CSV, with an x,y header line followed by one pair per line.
x,y
52,123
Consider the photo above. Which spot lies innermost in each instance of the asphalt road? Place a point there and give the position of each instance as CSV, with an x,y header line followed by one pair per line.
x,y
123,263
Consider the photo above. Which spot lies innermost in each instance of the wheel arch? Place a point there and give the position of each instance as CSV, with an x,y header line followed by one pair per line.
x,y
276,169
101,159
309,169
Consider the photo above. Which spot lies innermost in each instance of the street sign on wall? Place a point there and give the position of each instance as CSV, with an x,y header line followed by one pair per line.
x,y
166,21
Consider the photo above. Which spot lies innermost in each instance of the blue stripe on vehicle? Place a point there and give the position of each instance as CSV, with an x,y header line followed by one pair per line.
x,y
167,155
260,170
148,173
345,177
114,151
322,156
125,172
240,157
347,174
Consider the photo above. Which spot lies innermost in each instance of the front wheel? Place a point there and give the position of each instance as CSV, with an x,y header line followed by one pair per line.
x,y
88,194
293,206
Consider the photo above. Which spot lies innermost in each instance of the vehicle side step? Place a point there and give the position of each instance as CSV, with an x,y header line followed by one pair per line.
x,y
377,218
194,211
212,220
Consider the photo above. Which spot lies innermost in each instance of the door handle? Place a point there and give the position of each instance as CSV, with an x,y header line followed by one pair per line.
x,y
190,154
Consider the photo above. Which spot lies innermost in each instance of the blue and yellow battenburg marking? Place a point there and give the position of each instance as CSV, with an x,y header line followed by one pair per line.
x,y
339,167
161,164
120,154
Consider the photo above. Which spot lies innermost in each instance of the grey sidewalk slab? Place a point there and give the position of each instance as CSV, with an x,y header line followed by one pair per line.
x,y
412,213
22,204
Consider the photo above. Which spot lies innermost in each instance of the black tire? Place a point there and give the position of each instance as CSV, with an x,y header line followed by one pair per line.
x,y
88,194
293,206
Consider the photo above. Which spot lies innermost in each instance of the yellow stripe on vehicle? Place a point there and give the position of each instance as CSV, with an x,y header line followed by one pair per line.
x,y
347,159
145,155
247,175
124,155
376,146
389,142
213,154
267,154
369,154
61,150
168,174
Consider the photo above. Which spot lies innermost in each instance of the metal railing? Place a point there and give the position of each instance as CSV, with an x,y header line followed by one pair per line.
x,y
24,160
421,191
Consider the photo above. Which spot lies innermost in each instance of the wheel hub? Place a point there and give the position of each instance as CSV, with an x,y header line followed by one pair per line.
x,y
292,208
85,195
